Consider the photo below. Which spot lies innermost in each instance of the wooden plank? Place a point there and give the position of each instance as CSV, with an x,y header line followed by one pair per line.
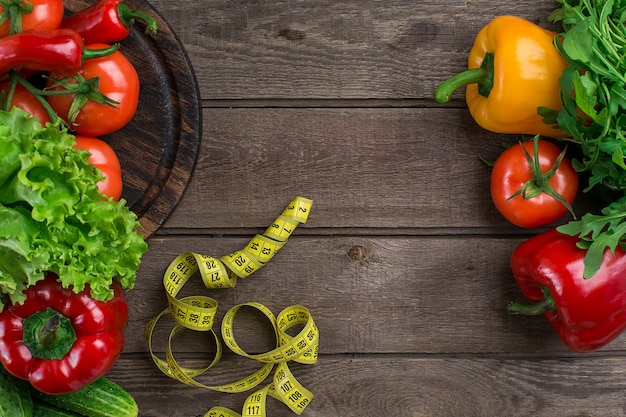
x,y
403,262
364,168
367,295
406,386
343,49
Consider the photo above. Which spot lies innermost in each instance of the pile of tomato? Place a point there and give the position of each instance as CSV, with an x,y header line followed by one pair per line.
x,y
70,69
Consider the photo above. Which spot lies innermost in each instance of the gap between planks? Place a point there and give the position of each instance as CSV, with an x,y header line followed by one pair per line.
x,y
330,103
491,232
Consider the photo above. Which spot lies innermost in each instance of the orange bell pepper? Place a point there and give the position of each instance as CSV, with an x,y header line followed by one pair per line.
x,y
513,70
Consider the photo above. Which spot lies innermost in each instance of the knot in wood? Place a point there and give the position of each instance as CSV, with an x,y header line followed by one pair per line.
x,y
292,34
359,253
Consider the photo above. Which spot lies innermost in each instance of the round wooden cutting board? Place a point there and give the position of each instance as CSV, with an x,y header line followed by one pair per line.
x,y
159,147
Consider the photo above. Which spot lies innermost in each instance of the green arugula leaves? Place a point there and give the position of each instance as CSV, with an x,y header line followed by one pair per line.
x,y
593,93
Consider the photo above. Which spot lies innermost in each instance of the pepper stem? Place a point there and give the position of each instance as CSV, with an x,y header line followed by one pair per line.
x,y
98,53
48,334
128,17
482,76
540,307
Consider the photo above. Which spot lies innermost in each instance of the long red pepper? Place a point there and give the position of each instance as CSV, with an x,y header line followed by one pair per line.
x,y
61,51
108,21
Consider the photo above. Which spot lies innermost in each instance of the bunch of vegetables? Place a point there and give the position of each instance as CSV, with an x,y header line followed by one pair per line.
x,y
567,87
72,69
69,245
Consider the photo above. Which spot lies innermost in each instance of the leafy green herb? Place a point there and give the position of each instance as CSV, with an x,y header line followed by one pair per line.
x,y
593,44
598,232
593,91
52,217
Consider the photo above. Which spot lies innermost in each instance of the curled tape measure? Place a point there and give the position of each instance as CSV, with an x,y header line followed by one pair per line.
x,y
198,313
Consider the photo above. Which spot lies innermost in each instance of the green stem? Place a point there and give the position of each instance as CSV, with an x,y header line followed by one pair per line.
x,y
8,98
13,11
98,53
83,90
535,309
539,182
75,88
48,334
16,78
128,17
482,76
612,71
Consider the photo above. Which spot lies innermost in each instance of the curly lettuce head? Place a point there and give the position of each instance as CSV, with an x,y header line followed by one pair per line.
x,y
52,217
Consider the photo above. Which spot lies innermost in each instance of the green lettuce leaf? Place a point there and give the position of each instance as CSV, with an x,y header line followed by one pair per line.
x,y
52,217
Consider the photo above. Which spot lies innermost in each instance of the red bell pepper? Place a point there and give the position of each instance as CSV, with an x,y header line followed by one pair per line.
x,y
586,313
108,21
59,340
60,50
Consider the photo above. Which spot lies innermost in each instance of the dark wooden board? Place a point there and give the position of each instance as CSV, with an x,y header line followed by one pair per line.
x,y
158,148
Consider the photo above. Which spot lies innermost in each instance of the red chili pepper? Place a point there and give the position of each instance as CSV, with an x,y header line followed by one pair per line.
x,y
61,51
61,341
108,21
586,313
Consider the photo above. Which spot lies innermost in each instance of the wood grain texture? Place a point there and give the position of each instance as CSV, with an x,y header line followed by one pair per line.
x,y
346,49
403,261
384,295
364,168
408,386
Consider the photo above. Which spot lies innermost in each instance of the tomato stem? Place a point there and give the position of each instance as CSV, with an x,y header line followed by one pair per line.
x,y
6,99
12,10
539,182
82,89
16,78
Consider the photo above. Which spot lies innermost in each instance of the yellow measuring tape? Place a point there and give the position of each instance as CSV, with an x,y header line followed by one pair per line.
x,y
198,313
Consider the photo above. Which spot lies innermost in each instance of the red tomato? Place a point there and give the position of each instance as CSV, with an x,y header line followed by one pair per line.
x,y
26,101
118,81
513,171
104,158
45,15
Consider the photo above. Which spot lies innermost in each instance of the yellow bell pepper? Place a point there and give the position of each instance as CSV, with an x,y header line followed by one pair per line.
x,y
513,70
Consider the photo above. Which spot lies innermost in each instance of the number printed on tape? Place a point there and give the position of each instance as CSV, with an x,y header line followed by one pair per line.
x,y
198,313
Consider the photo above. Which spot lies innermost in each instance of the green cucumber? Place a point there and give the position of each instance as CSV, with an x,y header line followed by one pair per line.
x,y
43,409
15,399
103,398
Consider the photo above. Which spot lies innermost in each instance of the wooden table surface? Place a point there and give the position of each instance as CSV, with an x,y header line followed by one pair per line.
x,y
403,262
